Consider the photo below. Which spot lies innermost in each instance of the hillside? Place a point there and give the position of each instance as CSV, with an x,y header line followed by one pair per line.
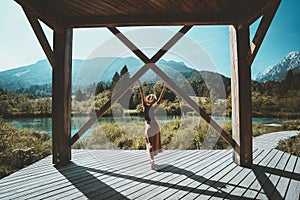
x,y
87,72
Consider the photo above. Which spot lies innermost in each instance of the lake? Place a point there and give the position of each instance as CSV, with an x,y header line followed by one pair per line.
x,y
45,124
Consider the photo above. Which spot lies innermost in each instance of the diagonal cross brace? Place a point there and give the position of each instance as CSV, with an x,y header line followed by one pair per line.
x,y
170,82
261,31
121,91
150,64
36,26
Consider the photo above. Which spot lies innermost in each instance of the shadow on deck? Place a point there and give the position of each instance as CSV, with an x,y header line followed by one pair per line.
x,y
117,174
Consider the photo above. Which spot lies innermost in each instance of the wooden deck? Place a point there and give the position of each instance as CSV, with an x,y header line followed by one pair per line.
x,y
195,174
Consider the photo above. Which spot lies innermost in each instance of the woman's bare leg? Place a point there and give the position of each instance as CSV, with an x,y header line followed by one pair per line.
x,y
149,147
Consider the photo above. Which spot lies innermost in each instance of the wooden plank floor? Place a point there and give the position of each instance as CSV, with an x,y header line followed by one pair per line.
x,y
195,174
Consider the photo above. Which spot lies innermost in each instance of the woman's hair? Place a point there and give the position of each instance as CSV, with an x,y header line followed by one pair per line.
x,y
151,99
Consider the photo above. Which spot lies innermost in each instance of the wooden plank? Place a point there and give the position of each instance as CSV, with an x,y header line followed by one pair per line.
x,y
114,177
51,177
206,178
87,184
137,189
221,192
40,170
74,174
293,191
193,174
237,172
61,97
40,36
268,182
208,185
285,178
146,177
236,179
203,168
258,177
275,177
165,175
222,177
241,96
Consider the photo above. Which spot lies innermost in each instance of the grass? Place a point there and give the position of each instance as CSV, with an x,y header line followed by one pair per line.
x,y
21,147
259,129
177,134
291,145
181,134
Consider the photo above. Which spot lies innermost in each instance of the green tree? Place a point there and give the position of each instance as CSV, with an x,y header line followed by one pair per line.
x,y
99,88
79,96
126,99
114,81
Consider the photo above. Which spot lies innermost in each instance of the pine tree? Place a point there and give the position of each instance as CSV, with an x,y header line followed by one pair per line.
x,y
115,80
288,81
126,98
99,88
79,95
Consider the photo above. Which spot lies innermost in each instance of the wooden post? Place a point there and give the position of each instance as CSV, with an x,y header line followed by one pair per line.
x,y
241,96
61,97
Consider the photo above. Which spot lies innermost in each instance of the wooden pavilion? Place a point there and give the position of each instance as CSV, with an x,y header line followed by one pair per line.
x,y
62,16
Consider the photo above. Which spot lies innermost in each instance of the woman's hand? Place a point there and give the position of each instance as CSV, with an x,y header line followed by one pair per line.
x,y
139,82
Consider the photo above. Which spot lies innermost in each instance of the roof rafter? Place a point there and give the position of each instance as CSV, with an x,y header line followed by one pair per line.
x,y
42,11
147,20
255,10
36,26
262,31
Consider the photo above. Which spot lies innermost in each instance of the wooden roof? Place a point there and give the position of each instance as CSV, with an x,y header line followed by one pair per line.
x,y
98,13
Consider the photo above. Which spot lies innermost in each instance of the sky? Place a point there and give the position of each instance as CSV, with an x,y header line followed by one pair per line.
x,y
20,47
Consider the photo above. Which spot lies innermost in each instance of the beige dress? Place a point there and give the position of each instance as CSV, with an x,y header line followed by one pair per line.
x,y
152,132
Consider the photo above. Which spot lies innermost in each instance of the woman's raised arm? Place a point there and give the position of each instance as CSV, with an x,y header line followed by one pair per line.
x,y
141,92
161,94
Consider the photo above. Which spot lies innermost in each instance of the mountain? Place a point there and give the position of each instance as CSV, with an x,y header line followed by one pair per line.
x,y
279,71
86,72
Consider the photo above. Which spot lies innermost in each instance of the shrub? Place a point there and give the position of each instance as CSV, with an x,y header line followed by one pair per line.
x,y
291,145
21,147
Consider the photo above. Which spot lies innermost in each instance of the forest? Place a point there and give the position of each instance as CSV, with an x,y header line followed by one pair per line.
x,y
269,99
21,147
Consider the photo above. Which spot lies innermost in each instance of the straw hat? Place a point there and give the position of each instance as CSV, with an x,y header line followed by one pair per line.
x,y
151,99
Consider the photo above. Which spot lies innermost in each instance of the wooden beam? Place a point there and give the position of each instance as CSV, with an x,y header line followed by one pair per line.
x,y
44,13
146,20
40,36
116,96
253,12
129,44
149,63
61,97
261,31
194,105
241,96
137,75
170,43
171,83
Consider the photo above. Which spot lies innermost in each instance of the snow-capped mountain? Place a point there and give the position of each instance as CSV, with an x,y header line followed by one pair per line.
x,y
279,71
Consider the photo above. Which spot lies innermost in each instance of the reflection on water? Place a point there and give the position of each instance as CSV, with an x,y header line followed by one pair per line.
x,y
45,124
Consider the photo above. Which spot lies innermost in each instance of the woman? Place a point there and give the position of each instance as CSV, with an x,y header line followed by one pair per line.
x,y
152,132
